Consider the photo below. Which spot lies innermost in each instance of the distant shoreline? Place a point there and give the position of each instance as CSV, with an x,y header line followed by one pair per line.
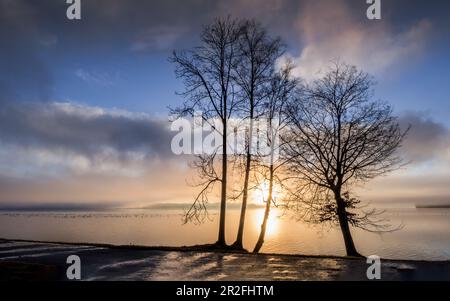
x,y
445,206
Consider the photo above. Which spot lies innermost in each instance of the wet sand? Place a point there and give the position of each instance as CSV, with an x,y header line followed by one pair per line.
x,y
47,261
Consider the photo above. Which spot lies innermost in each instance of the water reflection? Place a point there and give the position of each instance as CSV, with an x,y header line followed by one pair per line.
x,y
426,234
272,222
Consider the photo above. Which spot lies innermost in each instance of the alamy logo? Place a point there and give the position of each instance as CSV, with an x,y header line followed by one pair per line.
x,y
74,270
74,10
197,136
374,270
374,10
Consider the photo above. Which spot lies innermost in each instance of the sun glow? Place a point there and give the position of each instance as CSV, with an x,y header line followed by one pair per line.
x,y
272,222
260,196
261,193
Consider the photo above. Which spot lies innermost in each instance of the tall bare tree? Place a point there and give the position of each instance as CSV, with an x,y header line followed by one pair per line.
x,y
258,53
341,136
279,92
207,72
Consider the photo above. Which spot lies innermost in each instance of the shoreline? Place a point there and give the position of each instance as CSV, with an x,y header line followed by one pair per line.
x,y
210,248
39,260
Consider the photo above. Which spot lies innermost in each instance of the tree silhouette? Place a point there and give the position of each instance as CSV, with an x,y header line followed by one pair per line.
x,y
258,53
339,136
279,93
206,72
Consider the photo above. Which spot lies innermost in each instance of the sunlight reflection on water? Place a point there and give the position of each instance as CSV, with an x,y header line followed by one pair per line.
x,y
426,234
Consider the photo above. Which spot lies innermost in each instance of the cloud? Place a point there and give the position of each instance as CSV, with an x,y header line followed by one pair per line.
x,y
425,177
250,8
157,38
408,189
326,30
161,181
61,138
96,77
331,30
427,139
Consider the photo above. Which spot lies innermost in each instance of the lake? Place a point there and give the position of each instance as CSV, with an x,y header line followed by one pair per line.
x,y
425,235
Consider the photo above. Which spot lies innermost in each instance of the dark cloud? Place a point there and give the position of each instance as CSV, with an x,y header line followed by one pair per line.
x,y
426,138
104,20
83,130
24,73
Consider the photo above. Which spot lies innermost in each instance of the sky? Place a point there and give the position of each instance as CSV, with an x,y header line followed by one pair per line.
x,y
84,103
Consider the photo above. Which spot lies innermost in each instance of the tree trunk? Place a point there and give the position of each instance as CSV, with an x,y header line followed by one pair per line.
x,y
238,244
345,228
223,199
262,234
240,234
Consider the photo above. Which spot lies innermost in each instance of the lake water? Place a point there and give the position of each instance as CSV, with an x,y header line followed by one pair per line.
x,y
425,235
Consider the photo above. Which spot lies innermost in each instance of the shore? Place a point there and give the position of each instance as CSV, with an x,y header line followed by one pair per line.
x,y
32,260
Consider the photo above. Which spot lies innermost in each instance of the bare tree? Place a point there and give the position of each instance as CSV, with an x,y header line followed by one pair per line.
x,y
279,93
339,137
207,175
258,53
207,75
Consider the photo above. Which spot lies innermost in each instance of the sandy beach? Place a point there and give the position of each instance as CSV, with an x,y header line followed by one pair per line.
x,y
47,261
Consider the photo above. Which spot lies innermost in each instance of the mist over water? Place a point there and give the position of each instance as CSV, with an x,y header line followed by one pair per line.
x,y
425,235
